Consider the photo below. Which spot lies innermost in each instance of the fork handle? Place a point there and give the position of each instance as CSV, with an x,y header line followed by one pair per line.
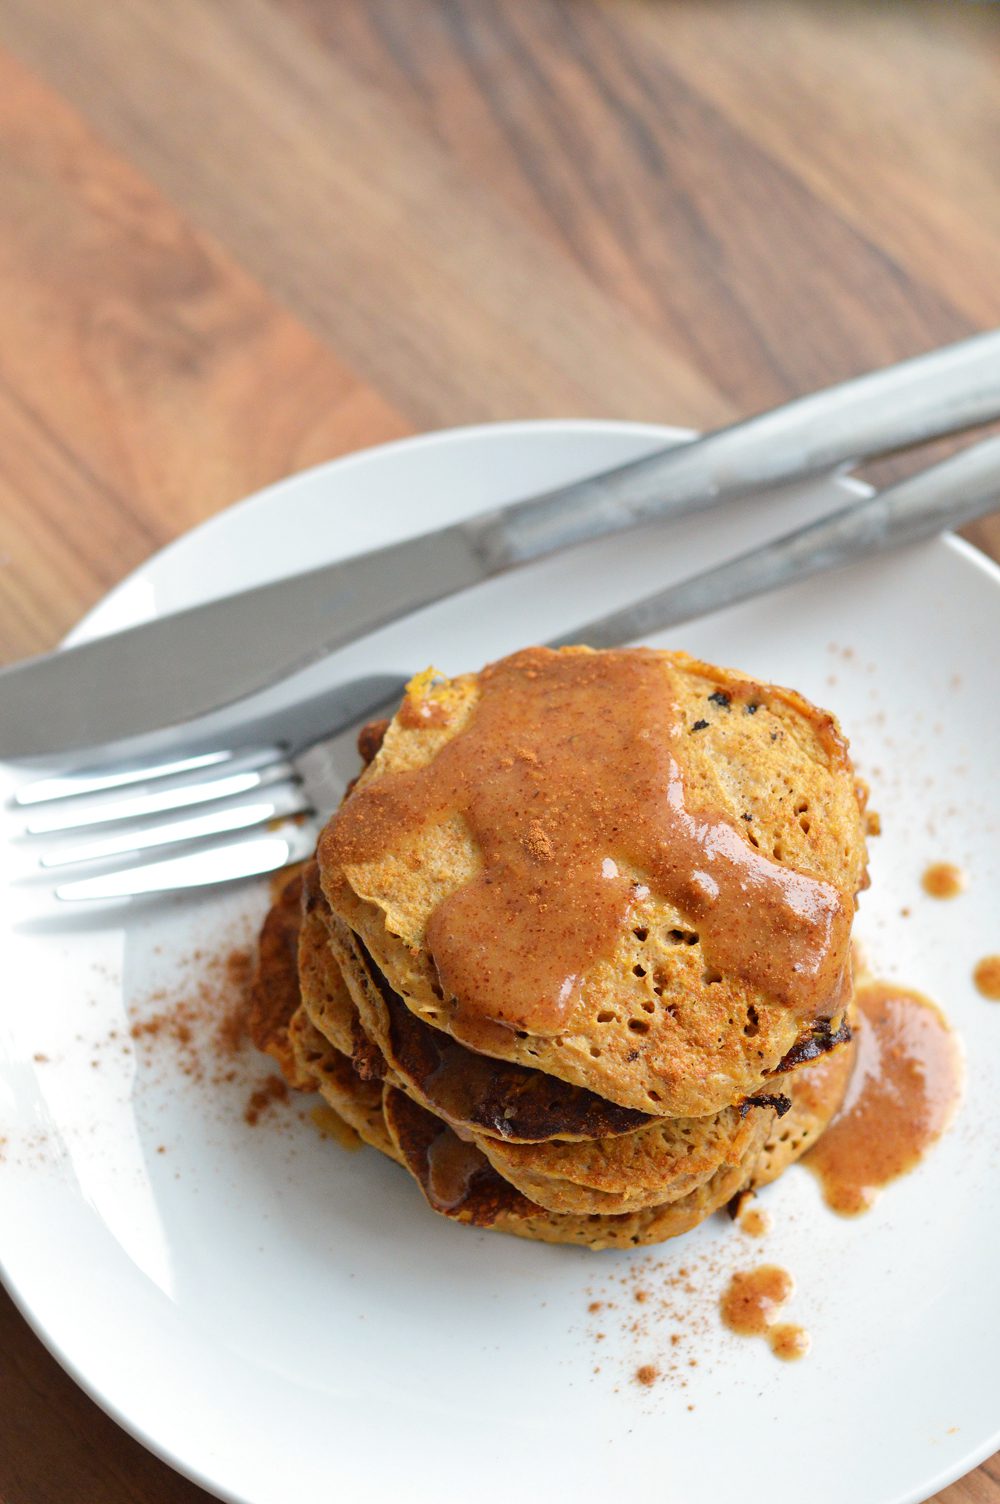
x,y
946,391
955,491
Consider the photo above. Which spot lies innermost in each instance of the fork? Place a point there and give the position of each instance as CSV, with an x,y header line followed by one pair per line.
x,y
274,797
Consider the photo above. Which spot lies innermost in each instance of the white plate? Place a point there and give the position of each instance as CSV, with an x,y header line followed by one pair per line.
x,y
283,1320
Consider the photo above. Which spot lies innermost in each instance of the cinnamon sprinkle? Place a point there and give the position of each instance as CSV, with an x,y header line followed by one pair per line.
x,y
273,1089
200,1030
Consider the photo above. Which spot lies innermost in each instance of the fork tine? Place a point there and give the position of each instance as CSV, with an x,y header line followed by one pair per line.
x,y
219,864
97,780
143,805
285,801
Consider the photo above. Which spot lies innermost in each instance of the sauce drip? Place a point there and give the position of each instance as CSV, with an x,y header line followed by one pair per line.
x,y
567,776
901,1097
944,880
452,1165
755,1221
987,977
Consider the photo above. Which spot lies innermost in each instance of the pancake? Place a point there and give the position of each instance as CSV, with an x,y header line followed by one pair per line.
x,y
330,1073
817,1091
469,1189
325,996
657,1026
662,1163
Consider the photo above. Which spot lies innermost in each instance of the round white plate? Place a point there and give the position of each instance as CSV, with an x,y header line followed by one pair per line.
x,y
284,1320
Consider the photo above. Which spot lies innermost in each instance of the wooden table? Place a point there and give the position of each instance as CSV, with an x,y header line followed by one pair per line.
x,y
238,238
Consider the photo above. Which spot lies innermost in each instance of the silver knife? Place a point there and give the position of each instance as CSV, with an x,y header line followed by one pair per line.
x,y
195,661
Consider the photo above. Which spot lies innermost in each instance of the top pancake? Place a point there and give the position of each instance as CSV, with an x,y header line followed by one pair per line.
x,y
654,1026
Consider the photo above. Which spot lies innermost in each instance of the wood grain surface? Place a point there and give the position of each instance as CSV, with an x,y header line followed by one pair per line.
x,y
238,238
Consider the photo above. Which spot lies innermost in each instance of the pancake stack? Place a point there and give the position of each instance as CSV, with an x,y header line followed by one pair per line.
x,y
575,949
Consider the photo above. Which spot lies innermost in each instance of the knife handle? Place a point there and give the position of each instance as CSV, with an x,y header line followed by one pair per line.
x,y
943,392
959,489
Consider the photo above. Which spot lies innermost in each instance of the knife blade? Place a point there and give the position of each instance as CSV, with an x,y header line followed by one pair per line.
x,y
197,660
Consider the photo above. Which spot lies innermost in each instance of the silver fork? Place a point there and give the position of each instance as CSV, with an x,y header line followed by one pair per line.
x,y
277,795
227,813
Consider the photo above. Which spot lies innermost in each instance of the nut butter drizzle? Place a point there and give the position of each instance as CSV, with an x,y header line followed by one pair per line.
x,y
567,776
903,1093
452,1165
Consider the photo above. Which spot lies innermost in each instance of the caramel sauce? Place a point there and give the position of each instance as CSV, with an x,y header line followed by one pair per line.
x,y
568,777
944,880
789,1342
987,977
752,1300
452,1164
902,1095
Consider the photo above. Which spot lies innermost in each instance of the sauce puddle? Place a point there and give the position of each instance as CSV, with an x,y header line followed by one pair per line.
x,y
750,1305
902,1096
755,1221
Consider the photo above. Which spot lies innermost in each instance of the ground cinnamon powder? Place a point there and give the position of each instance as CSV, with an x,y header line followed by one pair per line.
x,y
199,1028
274,1089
